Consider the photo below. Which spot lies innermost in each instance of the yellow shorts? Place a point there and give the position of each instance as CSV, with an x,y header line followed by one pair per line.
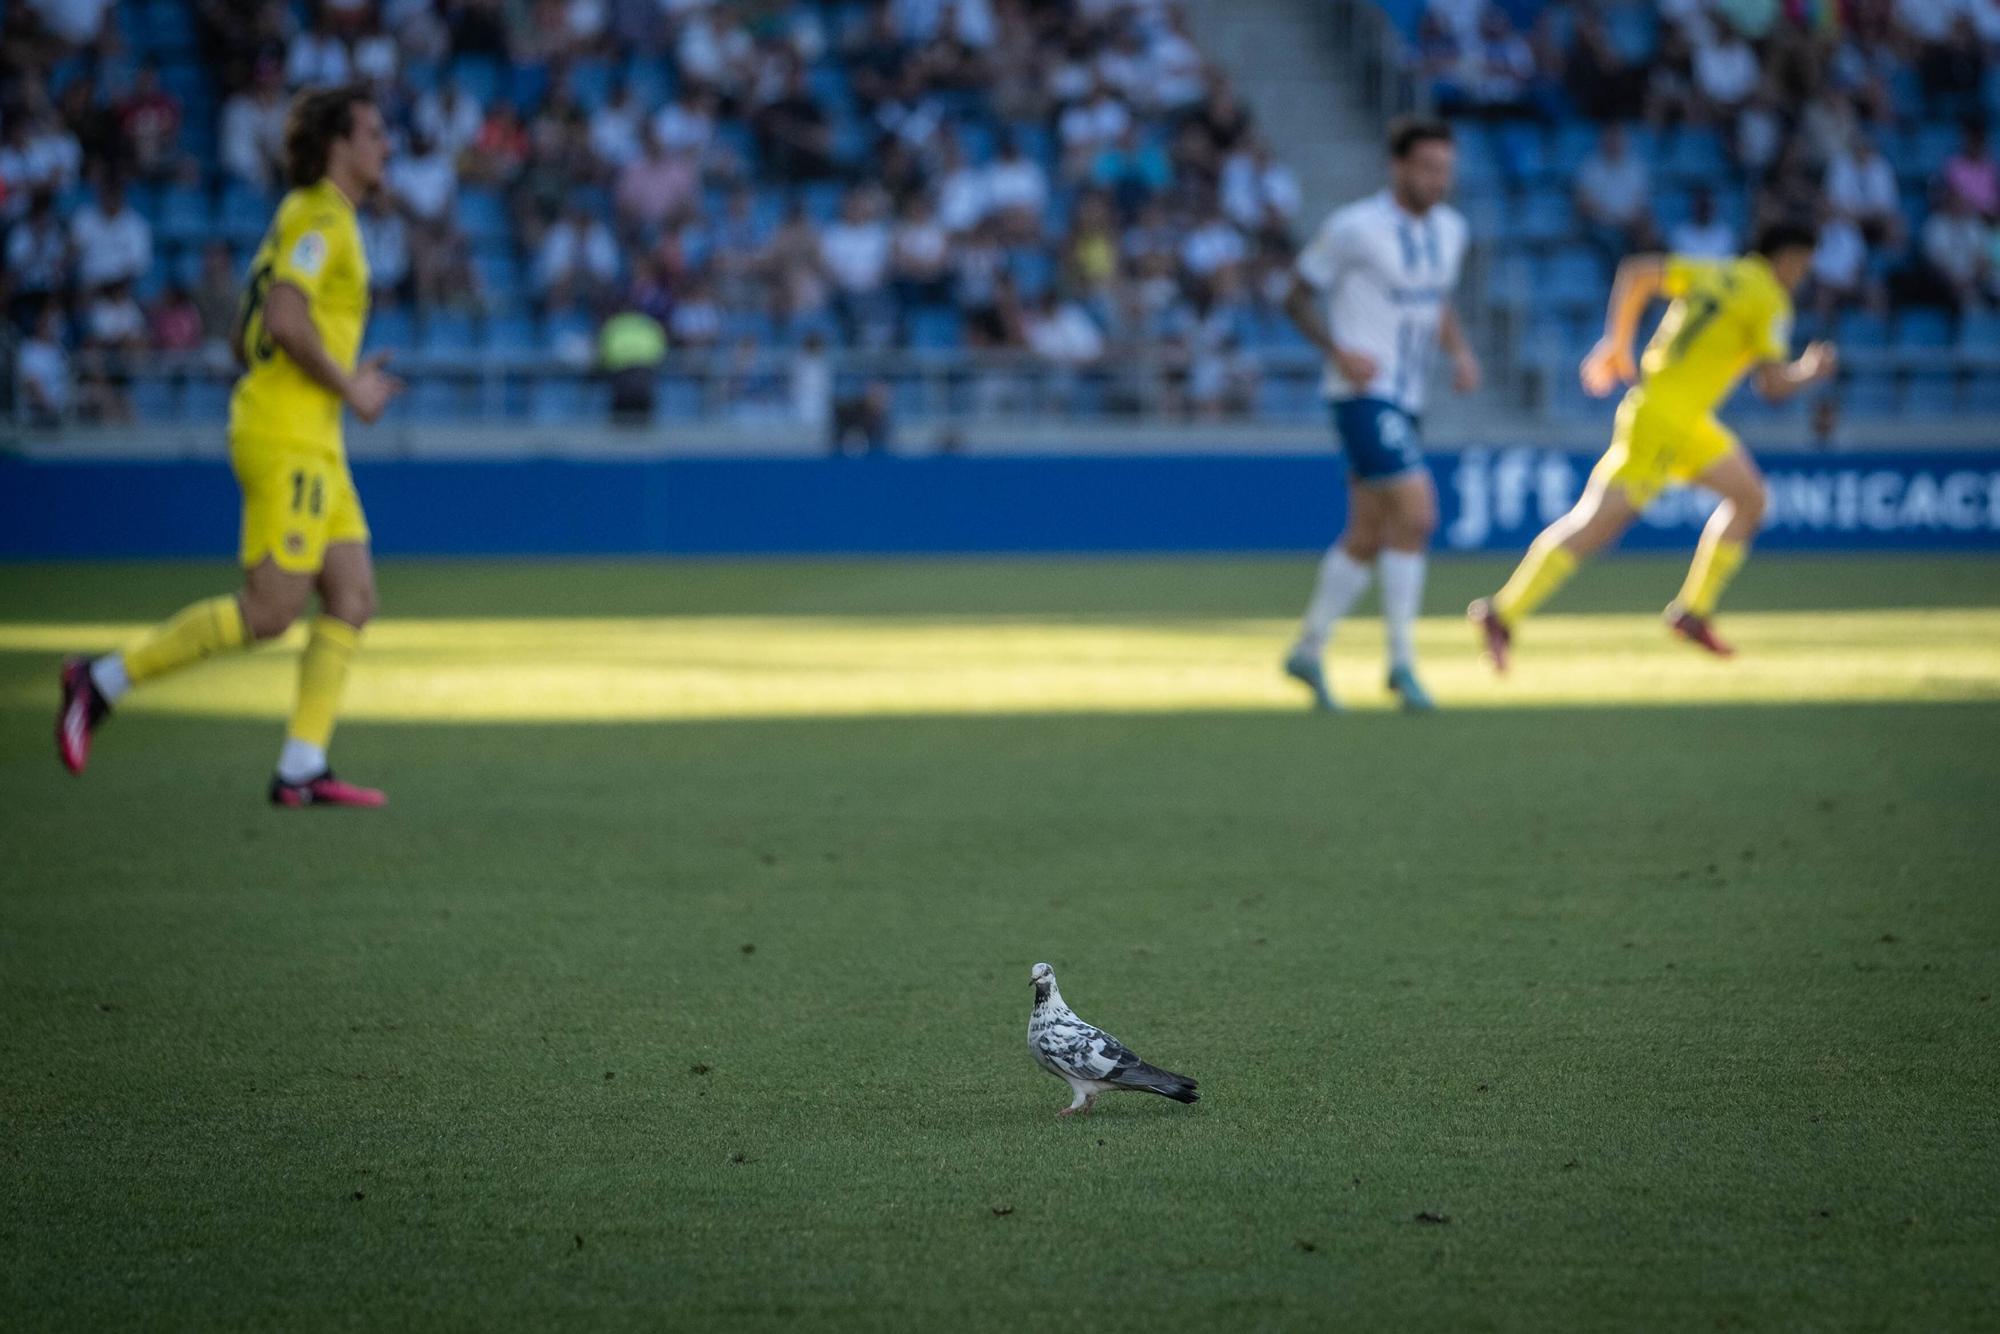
x,y
1654,444
296,503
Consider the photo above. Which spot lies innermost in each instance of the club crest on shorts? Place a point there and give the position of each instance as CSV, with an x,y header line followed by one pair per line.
x,y
295,544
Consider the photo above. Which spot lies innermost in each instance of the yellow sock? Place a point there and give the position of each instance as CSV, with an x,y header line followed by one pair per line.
x,y
1715,564
1545,568
322,674
200,630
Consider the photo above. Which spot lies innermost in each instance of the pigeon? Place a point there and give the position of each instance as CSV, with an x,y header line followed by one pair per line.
x,y
1089,1058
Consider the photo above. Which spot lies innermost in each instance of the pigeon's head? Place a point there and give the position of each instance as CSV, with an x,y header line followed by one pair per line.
x,y
1044,978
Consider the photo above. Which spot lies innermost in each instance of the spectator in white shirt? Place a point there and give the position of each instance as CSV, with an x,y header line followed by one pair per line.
x,y
385,240
920,256
113,243
1178,72
1614,195
961,188
317,58
1725,72
715,50
50,156
967,21
1089,126
75,23
1703,235
41,370
688,122
1017,192
615,129
1861,186
1840,267
424,179
38,252
449,117
1213,247
855,253
578,259
1259,193
1956,252
1061,333
253,129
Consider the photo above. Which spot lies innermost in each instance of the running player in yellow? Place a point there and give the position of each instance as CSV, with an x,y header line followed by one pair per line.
x,y
298,337
1726,317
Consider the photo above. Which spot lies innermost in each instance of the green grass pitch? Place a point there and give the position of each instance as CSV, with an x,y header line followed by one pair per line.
x,y
684,983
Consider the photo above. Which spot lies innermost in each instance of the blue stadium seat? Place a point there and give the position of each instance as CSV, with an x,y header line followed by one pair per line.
x,y
1931,393
679,399
651,80
1542,218
1033,269
447,333
183,214
479,76
513,334
1524,152
822,200
528,85
242,214
1696,154
1573,278
483,215
390,328
1870,394
1980,330
1923,328
169,29
1859,329
557,402
500,278
591,81
937,329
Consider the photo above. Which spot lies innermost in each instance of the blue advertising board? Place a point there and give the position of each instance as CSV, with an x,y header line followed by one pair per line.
x,y
1491,500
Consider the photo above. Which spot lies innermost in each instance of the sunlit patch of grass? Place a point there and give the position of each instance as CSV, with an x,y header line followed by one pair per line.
x,y
703,667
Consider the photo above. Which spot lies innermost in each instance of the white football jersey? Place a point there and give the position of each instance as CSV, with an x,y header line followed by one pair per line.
x,y
1388,276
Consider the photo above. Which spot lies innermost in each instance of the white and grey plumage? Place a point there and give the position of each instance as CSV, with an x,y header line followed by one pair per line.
x,y
1089,1058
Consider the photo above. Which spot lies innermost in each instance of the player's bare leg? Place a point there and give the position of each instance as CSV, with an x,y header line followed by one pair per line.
x,y
346,587
1725,542
1411,507
1598,519
1344,573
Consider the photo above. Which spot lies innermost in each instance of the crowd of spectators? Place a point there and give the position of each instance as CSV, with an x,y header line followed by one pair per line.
x,y
1067,178
1807,100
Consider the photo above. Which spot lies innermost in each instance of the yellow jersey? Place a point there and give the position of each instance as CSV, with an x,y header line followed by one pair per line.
x,y
314,244
1726,316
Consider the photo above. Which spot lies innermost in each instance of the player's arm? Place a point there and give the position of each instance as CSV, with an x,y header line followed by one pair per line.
x,y
288,319
1464,361
1317,273
1779,380
1610,364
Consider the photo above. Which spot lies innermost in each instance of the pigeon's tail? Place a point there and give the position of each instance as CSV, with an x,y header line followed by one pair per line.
x,y
1152,1079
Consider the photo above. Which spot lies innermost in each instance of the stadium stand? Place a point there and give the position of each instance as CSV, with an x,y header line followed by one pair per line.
x,y
1055,184
976,206
1588,130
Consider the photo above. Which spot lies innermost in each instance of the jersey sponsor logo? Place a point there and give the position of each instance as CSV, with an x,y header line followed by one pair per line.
x,y
309,254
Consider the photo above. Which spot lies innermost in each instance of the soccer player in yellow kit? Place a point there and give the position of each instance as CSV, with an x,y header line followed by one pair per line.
x,y
1725,318
298,338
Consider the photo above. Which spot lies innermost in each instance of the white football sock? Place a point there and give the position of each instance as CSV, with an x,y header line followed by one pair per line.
x,y
300,760
1342,581
1402,599
108,675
